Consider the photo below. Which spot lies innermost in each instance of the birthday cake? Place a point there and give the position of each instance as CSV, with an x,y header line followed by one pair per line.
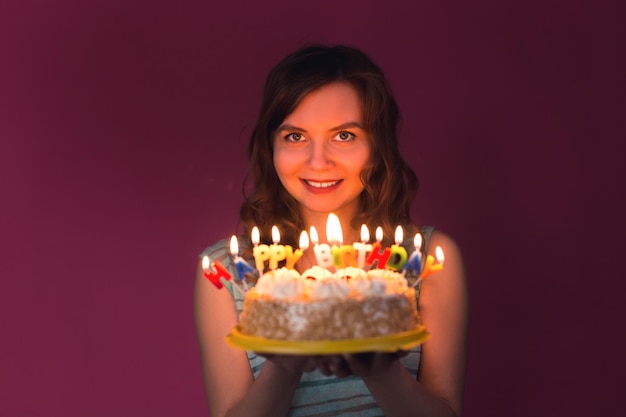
x,y
366,297
319,305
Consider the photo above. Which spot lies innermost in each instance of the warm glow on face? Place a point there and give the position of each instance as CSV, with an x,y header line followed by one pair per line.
x,y
320,150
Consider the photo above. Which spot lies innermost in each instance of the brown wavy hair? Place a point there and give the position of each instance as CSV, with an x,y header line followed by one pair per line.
x,y
390,185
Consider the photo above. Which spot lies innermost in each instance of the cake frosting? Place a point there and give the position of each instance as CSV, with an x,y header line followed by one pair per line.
x,y
320,305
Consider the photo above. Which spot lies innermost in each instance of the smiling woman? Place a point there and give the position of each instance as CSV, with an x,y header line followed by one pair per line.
x,y
326,141
320,151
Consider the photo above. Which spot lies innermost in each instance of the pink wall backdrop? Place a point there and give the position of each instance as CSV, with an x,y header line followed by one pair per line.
x,y
122,135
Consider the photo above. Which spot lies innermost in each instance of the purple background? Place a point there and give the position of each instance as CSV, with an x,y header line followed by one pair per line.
x,y
123,128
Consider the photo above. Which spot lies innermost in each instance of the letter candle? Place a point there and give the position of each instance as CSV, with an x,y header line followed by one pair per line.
x,y
362,247
291,256
242,266
277,252
313,236
430,266
397,258
333,230
220,274
261,253
415,260
345,256
322,251
342,254
377,255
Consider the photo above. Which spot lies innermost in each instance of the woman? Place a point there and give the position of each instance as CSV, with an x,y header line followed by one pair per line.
x,y
326,141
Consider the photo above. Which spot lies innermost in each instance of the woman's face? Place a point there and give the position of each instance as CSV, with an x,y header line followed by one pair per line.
x,y
321,148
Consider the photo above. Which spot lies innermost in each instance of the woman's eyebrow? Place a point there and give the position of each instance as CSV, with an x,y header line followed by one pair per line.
x,y
348,125
286,126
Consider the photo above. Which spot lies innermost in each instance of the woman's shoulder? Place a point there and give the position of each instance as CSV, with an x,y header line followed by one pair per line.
x,y
440,238
218,251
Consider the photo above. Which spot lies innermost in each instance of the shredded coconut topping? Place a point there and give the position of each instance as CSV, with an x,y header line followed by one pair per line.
x,y
318,283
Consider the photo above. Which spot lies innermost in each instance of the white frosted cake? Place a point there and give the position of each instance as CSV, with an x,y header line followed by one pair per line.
x,y
319,305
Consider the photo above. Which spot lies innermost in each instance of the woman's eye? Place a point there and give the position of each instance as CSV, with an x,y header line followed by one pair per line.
x,y
294,137
344,136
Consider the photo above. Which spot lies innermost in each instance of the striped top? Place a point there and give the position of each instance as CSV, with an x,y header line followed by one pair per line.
x,y
318,395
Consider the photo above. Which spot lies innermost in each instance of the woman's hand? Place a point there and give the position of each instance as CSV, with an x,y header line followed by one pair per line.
x,y
372,363
291,363
359,364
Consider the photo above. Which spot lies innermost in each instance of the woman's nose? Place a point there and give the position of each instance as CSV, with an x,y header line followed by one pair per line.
x,y
320,155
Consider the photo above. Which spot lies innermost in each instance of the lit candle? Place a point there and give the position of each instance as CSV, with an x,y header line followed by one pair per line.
x,y
255,236
333,230
323,254
261,253
291,256
342,254
242,266
362,247
397,258
415,260
217,276
313,236
277,252
430,266
377,255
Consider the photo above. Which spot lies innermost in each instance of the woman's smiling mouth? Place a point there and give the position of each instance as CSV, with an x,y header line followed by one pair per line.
x,y
321,184
320,187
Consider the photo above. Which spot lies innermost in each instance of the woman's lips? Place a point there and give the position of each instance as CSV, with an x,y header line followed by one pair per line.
x,y
320,187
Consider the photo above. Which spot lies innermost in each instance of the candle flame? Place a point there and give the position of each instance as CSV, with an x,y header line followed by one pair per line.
x,y
399,235
275,235
439,254
304,240
205,263
417,241
379,234
256,238
314,237
333,230
234,246
365,234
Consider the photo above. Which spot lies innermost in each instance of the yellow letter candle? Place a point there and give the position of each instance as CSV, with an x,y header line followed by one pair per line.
x,y
291,256
430,266
277,252
261,253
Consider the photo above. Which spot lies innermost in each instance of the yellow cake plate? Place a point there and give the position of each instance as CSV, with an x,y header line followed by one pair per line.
x,y
391,343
